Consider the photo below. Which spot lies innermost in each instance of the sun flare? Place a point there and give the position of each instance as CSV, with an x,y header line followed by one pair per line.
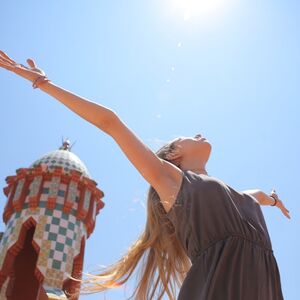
x,y
191,9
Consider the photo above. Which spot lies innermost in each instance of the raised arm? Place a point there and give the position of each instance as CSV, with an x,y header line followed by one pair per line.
x,y
264,199
152,168
157,172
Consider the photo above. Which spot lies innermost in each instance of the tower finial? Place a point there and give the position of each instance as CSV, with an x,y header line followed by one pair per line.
x,y
66,145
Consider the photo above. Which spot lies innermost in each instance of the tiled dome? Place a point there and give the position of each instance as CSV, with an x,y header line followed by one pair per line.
x,y
62,158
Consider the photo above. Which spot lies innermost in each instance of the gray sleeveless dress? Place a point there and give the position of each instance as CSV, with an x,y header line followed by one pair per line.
x,y
225,235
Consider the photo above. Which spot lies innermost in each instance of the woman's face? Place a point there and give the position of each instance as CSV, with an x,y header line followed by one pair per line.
x,y
196,146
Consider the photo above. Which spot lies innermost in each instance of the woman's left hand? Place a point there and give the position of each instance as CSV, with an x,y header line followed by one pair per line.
x,y
31,73
280,204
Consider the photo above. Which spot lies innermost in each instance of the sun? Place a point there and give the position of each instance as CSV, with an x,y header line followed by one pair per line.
x,y
191,9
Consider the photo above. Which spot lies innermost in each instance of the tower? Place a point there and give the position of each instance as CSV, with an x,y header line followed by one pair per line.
x,y
50,212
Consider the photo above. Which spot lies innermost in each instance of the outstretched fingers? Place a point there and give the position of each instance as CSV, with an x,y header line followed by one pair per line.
x,y
30,72
6,62
286,213
284,210
5,65
5,57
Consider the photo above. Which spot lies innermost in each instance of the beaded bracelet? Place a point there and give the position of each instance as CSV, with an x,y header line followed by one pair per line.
x,y
39,80
274,199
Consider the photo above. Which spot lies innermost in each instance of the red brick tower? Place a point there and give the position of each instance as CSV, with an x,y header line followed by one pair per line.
x,y
50,212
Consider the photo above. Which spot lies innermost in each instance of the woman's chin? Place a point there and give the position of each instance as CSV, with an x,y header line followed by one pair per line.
x,y
209,146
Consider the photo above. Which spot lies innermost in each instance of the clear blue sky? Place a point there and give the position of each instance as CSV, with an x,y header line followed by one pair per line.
x,y
231,74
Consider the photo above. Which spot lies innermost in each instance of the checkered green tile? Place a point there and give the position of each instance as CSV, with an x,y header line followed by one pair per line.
x,y
63,231
54,292
72,192
19,189
35,186
86,201
54,187
62,158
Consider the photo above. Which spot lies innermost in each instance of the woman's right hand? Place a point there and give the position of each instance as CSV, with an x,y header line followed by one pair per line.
x,y
30,73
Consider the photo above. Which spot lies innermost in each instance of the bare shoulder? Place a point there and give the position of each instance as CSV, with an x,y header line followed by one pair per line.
x,y
169,185
163,176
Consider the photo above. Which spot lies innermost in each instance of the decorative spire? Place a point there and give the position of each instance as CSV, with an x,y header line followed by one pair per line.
x,y
66,145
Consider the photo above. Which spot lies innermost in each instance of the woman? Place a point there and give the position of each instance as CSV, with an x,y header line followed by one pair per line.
x,y
201,235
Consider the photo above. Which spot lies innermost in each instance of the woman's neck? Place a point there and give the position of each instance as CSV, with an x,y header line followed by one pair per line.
x,y
199,171
197,167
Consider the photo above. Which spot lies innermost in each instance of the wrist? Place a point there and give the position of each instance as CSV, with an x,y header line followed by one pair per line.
x,y
274,200
40,81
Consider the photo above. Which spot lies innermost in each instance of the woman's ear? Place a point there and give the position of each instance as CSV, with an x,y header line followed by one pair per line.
x,y
173,154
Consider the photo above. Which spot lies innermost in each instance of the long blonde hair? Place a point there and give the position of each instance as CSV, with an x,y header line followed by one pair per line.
x,y
164,263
